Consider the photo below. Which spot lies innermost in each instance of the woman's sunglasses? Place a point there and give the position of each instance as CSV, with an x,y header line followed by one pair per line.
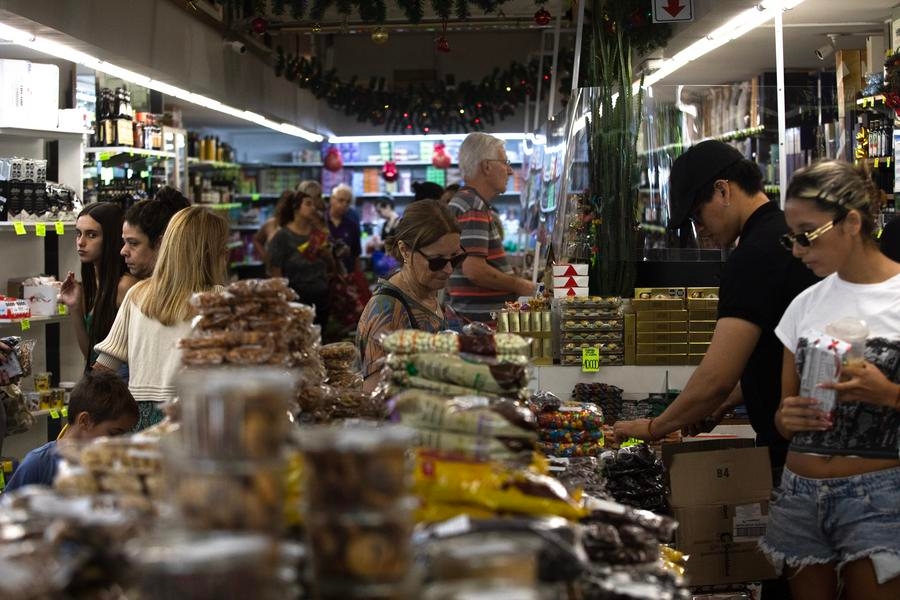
x,y
437,263
806,239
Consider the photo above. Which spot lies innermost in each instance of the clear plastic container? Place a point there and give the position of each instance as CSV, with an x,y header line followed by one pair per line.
x,y
854,332
355,468
235,413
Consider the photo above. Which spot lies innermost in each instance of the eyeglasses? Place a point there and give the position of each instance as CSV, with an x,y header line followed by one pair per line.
x,y
806,239
505,161
437,263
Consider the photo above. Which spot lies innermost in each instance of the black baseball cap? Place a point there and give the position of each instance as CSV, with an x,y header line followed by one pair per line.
x,y
697,167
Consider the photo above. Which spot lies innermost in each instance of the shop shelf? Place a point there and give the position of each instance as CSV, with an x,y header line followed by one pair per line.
x,y
256,197
42,133
280,165
870,101
30,226
227,206
33,322
105,152
196,163
245,227
249,263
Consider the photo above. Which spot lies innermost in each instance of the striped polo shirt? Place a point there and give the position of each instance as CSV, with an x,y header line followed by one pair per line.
x,y
481,236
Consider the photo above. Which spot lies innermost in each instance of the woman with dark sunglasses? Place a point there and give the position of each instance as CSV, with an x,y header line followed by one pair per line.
x,y
426,244
835,518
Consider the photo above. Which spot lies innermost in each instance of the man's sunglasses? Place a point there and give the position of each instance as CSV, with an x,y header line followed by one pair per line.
x,y
437,263
806,239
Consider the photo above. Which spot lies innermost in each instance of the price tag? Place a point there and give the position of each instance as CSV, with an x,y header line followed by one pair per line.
x,y
590,360
62,310
26,324
60,228
876,163
19,226
631,442
255,197
40,229
54,414
64,411
2,480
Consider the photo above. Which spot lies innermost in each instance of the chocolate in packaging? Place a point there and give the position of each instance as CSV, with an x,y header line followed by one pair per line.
x,y
819,361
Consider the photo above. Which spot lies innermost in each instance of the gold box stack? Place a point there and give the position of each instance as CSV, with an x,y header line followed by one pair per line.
x,y
703,308
661,326
533,321
591,322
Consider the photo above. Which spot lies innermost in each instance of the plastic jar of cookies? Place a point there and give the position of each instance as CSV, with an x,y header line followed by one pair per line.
x,y
222,566
235,413
355,468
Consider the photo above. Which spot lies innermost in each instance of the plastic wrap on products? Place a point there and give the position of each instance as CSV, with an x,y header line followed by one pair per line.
x,y
468,415
17,364
474,446
628,583
570,415
349,403
579,473
595,302
313,402
18,418
340,356
560,554
572,436
477,328
635,476
493,378
404,380
568,449
413,341
542,401
491,485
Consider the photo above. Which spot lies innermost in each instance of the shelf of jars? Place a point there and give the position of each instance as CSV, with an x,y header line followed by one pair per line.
x,y
195,163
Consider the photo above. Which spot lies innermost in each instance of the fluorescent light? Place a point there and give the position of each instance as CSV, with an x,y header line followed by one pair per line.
x,y
734,28
59,50
429,137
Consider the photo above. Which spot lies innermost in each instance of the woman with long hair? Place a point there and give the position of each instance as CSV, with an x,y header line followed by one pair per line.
x,y
834,522
94,302
156,312
426,243
301,252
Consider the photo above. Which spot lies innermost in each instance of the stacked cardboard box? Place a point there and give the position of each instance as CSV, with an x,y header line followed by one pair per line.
x,y
591,322
661,326
719,494
703,306
570,280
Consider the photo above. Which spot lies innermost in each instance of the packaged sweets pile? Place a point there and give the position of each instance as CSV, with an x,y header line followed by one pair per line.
x,y
592,322
483,428
345,398
16,366
341,361
635,476
607,397
568,429
580,473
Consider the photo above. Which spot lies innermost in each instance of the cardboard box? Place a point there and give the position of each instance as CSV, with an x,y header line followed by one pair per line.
x,y
701,348
630,335
29,96
662,315
700,337
660,359
14,287
568,270
662,337
660,326
721,541
703,315
707,326
662,348
703,292
724,472
571,281
642,304
694,359
658,292
572,291
41,299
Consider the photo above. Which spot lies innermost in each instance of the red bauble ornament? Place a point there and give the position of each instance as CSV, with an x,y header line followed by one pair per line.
x,y
443,45
389,171
259,25
333,160
543,17
440,159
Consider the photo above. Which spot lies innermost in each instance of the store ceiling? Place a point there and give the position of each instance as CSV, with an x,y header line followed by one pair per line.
x,y
805,29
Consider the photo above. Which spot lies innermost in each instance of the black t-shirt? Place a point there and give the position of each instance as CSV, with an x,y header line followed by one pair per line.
x,y
890,239
759,281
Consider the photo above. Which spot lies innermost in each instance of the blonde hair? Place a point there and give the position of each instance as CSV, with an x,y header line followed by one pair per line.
x,y
191,259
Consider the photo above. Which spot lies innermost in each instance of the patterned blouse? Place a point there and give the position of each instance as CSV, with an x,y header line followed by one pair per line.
x,y
384,314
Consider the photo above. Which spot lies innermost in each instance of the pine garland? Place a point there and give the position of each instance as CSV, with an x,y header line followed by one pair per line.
x,y
445,107
370,11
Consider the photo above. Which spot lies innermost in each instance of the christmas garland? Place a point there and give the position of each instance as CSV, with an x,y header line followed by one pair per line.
x,y
370,11
445,107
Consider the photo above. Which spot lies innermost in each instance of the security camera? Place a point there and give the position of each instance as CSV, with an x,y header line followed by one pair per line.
x,y
824,51
236,46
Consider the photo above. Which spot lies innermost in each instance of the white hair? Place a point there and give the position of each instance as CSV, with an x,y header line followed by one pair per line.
x,y
475,148
343,187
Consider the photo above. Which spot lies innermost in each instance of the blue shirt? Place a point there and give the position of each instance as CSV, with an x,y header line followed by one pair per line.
x,y
37,468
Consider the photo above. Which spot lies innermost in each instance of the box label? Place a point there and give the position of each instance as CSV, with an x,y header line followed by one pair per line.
x,y
749,522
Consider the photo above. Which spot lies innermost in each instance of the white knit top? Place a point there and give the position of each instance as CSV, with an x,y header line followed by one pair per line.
x,y
150,349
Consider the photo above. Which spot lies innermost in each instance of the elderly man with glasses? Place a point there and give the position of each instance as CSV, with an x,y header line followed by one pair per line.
x,y
720,192
484,281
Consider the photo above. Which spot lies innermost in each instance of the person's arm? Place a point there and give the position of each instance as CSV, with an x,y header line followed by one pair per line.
x,y
71,293
866,383
795,413
112,352
734,399
478,271
260,238
126,282
709,386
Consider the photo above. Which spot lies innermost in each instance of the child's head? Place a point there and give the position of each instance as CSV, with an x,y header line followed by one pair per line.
x,y
100,405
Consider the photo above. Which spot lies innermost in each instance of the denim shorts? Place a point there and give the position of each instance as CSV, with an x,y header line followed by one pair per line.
x,y
819,521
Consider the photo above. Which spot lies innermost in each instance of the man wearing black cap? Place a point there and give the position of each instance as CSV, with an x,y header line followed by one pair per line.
x,y
721,192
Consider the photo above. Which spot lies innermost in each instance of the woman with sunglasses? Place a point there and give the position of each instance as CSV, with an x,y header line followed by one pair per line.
x,y
426,243
835,519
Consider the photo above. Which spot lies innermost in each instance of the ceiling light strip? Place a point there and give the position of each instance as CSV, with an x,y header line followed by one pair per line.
x,y
429,137
734,28
58,50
